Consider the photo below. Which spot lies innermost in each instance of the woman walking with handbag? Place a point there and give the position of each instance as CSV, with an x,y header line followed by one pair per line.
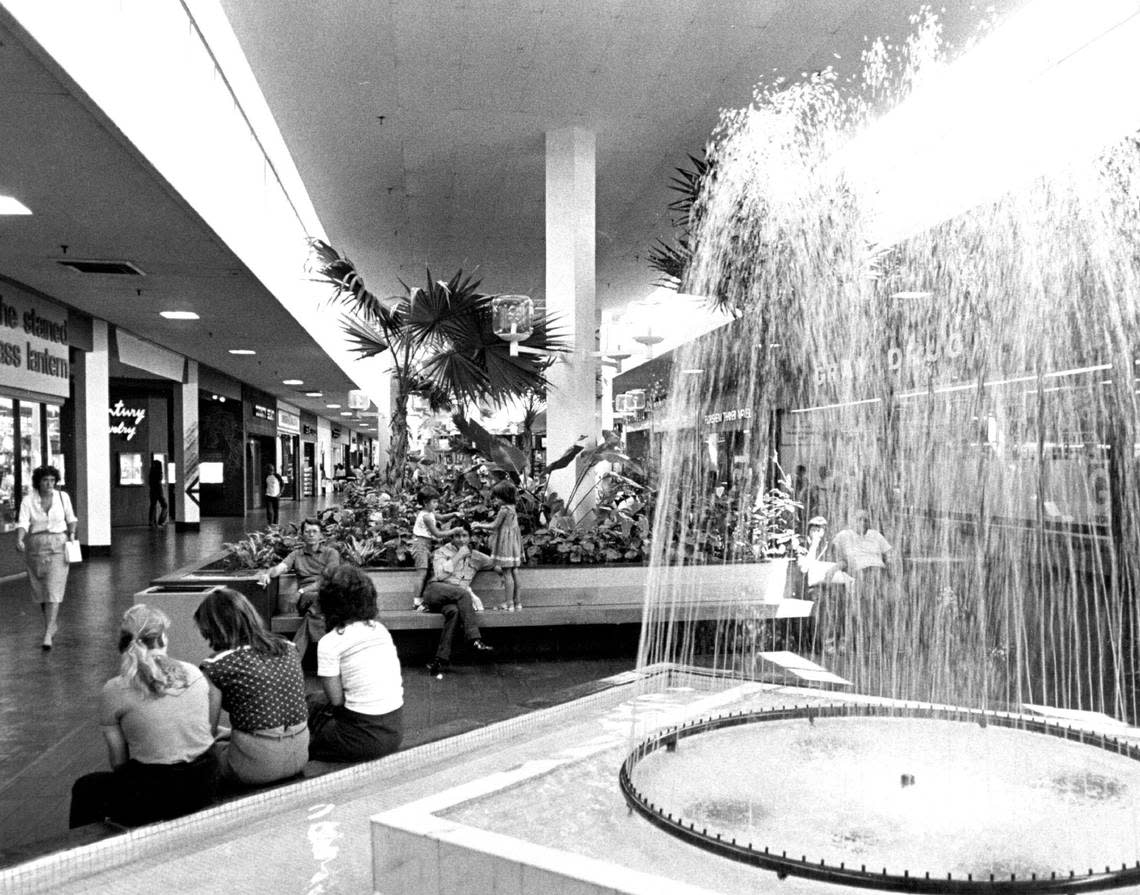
x,y
47,522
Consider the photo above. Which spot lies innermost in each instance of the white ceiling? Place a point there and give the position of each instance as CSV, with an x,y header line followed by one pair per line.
x,y
453,176
90,190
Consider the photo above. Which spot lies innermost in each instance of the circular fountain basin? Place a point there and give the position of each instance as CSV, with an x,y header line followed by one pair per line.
x,y
929,800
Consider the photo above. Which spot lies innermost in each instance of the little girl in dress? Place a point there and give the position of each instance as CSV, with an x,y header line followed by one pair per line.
x,y
505,542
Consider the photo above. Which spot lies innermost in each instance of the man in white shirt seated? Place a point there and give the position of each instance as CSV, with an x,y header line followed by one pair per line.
x,y
862,552
449,593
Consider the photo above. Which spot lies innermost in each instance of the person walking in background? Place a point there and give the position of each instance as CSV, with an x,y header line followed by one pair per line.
x,y
158,506
359,714
273,486
46,522
256,677
505,541
155,720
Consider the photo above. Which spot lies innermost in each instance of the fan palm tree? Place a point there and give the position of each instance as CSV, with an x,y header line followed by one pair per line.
x,y
439,341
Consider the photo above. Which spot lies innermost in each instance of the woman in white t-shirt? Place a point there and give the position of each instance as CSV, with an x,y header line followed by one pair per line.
x,y
361,714
47,521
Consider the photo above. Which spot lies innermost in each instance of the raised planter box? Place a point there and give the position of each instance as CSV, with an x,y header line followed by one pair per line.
x,y
551,595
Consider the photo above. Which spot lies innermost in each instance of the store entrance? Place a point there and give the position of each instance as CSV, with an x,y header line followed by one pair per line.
x,y
259,453
308,468
288,470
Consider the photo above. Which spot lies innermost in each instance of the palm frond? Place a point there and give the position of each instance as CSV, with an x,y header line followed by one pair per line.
x,y
365,339
334,268
671,261
444,312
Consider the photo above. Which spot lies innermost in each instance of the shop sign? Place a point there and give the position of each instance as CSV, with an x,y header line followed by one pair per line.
x,y
306,429
288,421
335,432
728,416
261,412
33,345
126,420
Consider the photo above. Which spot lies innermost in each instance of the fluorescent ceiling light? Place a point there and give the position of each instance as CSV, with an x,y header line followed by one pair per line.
x,y
313,394
333,406
1044,88
911,294
179,315
242,351
292,381
346,413
10,205
693,372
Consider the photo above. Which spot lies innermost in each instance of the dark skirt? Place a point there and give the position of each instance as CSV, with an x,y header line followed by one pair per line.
x,y
340,734
138,793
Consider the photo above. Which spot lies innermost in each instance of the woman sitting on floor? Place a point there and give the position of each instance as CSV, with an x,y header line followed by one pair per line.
x,y
256,677
361,714
155,720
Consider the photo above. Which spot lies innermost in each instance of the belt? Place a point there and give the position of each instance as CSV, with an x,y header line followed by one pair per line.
x,y
34,533
279,733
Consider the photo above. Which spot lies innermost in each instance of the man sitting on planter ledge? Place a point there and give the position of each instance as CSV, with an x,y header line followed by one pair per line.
x,y
308,562
449,593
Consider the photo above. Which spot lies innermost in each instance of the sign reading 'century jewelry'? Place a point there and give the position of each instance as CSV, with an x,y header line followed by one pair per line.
x,y
33,345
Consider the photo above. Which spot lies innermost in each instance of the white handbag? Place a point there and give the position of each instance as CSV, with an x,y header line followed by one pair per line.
x,y
72,552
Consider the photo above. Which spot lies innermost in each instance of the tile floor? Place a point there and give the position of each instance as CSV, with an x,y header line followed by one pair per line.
x,y
48,730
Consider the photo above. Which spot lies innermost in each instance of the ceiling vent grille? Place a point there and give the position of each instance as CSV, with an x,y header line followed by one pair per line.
x,y
117,268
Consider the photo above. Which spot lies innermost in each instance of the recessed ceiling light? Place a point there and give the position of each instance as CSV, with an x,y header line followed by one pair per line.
x,y
333,406
292,381
313,394
346,413
179,315
9,205
242,351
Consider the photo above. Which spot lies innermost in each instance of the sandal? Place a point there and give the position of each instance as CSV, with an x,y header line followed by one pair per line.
x,y
502,607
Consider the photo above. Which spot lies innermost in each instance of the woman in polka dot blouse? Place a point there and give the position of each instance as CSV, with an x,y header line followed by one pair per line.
x,y
257,678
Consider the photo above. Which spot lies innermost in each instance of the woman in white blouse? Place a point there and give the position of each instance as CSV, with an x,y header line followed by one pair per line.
x,y
47,521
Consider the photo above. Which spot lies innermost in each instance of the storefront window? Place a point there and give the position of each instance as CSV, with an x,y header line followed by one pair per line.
x,y
55,446
31,443
8,504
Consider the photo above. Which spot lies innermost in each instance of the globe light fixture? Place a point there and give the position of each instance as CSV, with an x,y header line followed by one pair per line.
x,y
512,319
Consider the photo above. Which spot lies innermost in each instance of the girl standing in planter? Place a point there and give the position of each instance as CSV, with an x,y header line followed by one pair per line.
x,y
257,678
506,541
425,533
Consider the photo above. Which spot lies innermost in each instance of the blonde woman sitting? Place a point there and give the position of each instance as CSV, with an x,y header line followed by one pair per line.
x,y
155,720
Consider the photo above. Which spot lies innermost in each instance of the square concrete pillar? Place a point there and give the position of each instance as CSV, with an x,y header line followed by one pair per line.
x,y
93,460
571,293
188,515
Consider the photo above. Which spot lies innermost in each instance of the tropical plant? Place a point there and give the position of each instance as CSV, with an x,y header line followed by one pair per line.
x,y
439,341
671,259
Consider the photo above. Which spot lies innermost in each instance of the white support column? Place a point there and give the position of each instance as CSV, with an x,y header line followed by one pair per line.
x,y
186,449
570,293
93,457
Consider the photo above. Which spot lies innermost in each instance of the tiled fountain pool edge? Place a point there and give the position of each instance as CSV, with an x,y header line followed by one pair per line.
x,y
54,871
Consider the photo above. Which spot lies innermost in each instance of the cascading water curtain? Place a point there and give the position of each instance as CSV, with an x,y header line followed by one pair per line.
x,y
972,388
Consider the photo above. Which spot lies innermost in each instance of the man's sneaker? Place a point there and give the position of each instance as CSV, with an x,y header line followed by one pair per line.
x,y
480,647
436,667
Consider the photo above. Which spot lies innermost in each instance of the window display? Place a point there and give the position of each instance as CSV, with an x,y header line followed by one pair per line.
x,y
8,503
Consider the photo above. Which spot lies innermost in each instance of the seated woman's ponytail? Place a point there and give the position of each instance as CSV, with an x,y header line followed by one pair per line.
x,y
142,642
